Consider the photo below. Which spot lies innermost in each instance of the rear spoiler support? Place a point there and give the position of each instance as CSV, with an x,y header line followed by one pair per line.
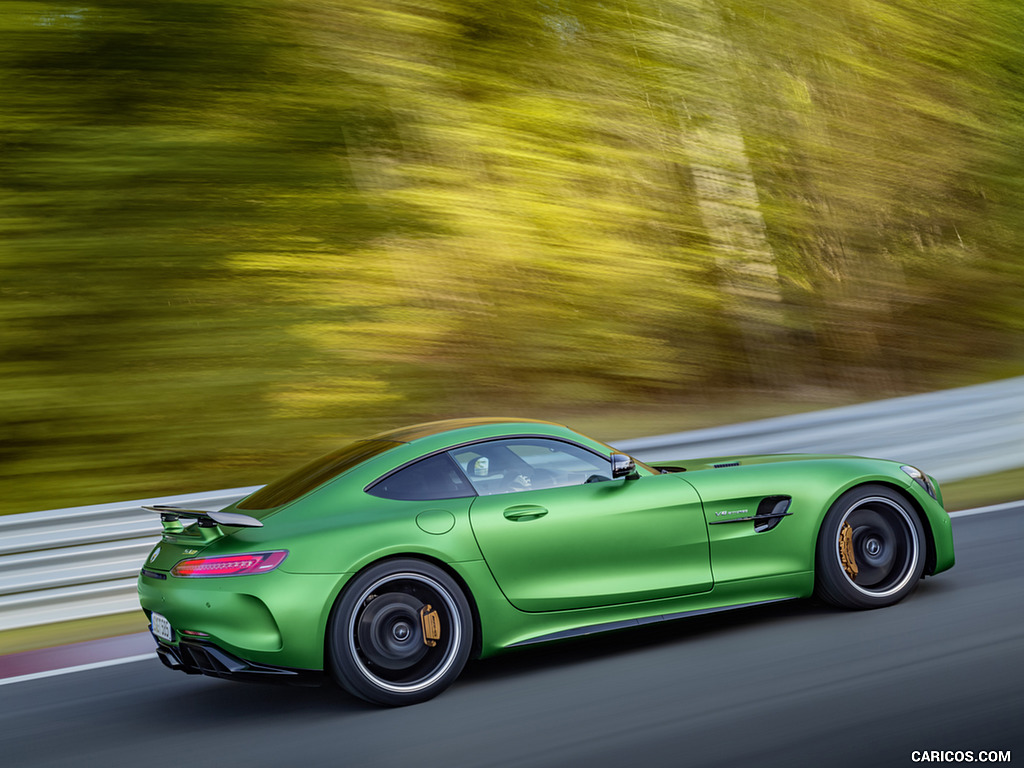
x,y
171,518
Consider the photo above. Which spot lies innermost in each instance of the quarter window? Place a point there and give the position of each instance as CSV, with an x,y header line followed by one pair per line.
x,y
435,477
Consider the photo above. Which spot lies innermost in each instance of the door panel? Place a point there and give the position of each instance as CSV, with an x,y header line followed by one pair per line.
x,y
593,544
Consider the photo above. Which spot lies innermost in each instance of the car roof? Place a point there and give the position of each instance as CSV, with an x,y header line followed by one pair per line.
x,y
427,429
397,447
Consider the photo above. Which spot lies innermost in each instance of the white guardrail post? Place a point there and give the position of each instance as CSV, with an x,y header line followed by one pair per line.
x,y
82,562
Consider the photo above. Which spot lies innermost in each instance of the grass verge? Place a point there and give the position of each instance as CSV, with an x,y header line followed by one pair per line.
x,y
984,490
66,632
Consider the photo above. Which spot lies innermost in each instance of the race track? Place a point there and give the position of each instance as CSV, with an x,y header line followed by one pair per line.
x,y
792,684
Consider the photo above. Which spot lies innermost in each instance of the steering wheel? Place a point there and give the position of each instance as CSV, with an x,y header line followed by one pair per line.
x,y
519,482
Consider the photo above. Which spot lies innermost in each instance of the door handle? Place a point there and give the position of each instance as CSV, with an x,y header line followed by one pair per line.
x,y
524,512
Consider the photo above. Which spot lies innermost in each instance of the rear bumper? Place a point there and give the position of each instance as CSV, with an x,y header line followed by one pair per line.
x,y
276,619
196,658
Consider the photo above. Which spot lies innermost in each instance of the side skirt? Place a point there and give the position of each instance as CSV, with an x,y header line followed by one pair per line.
x,y
611,626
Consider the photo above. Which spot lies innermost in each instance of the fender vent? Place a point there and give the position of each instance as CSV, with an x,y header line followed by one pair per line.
x,y
727,464
770,512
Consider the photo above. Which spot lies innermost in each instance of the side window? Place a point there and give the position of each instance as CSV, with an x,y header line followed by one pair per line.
x,y
529,463
432,478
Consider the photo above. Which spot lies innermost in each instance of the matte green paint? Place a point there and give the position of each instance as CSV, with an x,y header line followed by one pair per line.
x,y
563,559
596,544
435,521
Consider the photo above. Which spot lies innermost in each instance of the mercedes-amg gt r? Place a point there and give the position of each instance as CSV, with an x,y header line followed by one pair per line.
x,y
392,561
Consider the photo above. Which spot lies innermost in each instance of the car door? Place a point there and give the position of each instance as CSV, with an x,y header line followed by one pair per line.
x,y
558,533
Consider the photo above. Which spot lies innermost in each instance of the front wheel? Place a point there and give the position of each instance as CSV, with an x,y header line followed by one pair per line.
x,y
400,634
870,549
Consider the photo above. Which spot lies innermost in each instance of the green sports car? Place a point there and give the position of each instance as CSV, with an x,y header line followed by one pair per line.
x,y
389,563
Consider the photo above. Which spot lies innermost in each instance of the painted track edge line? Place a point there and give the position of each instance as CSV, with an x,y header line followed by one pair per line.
x,y
990,508
79,668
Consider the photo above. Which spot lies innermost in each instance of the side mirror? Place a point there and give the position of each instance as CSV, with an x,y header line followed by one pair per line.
x,y
623,466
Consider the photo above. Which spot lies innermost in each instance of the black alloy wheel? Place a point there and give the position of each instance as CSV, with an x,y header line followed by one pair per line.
x,y
400,634
871,549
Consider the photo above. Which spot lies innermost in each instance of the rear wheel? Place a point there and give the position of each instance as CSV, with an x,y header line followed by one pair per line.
x,y
400,634
870,549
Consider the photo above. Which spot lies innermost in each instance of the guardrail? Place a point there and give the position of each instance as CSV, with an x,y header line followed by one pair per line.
x,y
952,434
77,563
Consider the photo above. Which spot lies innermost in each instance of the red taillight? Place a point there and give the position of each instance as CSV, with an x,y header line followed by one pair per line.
x,y
229,565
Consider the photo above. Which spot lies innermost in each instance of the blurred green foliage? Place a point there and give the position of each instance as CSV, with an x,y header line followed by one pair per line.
x,y
234,233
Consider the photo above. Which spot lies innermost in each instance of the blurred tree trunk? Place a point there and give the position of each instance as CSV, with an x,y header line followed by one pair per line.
x,y
728,200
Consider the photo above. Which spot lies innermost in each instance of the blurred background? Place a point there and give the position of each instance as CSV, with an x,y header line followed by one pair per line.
x,y
237,233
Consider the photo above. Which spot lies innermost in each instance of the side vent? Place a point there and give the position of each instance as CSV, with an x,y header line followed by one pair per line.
x,y
770,511
727,464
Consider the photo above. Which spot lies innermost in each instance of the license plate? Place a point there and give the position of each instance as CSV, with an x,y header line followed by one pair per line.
x,y
161,627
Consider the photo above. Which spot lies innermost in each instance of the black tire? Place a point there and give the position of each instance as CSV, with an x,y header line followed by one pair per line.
x,y
871,549
400,633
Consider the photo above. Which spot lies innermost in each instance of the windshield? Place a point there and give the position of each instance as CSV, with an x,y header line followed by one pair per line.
x,y
315,474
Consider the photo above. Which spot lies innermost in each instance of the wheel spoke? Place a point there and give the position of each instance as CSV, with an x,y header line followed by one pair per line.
x,y
389,631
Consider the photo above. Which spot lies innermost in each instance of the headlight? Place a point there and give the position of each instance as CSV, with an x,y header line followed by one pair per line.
x,y
921,479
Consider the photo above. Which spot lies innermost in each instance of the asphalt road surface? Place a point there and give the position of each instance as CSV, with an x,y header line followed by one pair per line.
x,y
792,684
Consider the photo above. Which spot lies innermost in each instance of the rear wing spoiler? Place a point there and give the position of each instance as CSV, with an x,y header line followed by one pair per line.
x,y
171,516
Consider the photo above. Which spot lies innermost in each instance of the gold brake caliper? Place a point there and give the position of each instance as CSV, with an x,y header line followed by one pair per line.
x,y
431,625
846,551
